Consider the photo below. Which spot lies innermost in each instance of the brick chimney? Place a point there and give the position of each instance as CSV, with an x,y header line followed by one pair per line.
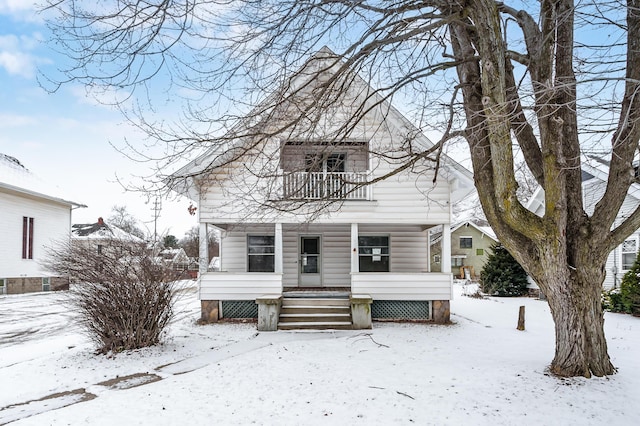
x,y
100,221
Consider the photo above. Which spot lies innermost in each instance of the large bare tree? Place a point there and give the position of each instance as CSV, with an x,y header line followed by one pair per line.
x,y
549,82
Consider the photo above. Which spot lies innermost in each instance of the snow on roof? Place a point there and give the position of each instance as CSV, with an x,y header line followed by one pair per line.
x,y
15,176
100,230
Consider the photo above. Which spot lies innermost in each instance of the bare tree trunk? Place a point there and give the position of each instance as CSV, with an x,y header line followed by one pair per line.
x,y
574,299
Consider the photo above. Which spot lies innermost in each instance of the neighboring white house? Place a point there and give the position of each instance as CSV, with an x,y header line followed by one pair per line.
x,y
176,258
100,235
370,241
33,217
595,172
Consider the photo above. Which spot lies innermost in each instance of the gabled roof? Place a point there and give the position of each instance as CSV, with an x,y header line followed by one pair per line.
x,y
594,169
181,180
100,231
15,177
486,230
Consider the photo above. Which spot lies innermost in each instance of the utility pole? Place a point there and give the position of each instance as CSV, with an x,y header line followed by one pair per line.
x,y
157,207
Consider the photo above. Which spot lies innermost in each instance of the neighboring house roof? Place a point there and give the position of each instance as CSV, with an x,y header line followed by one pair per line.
x,y
182,180
595,173
486,230
100,231
174,255
15,177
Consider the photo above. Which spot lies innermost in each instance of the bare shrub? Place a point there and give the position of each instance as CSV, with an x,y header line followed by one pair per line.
x,y
123,298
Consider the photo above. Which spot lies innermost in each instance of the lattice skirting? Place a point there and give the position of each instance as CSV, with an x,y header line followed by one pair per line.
x,y
239,309
400,309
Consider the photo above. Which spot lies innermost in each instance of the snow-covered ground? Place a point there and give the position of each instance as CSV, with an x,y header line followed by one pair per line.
x,y
478,371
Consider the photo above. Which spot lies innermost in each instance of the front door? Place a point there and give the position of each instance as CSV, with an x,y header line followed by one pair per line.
x,y
310,261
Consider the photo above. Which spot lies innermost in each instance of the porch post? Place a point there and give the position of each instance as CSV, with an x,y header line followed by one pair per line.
x,y
446,248
277,258
355,265
428,231
203,264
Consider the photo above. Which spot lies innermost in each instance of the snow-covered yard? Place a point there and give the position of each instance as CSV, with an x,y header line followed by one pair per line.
x,y
478,371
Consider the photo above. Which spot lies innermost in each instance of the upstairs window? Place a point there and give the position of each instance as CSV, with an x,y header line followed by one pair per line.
x,y
466,242
27,237
629,253
260,253
325,163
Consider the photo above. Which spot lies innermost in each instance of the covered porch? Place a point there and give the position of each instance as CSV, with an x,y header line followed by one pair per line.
x,y
388,262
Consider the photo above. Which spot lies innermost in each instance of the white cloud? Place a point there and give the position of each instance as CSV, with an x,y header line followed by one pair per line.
x,y
15,56
16,120
20,10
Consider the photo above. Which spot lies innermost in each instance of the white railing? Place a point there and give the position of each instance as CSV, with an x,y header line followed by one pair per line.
x,y
325,185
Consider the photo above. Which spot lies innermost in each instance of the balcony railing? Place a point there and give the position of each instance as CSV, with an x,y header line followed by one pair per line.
x,y
325,186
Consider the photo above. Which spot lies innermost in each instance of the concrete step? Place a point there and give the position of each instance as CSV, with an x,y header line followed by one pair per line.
x,y
292,309
288,301
313,317
316,325
315,313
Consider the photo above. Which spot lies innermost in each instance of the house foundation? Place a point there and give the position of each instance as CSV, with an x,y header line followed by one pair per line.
x,y
441,312
209,311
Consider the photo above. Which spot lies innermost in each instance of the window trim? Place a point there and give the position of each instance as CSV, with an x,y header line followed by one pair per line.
x,y
259,254
469,237
27,237
622,253
388,255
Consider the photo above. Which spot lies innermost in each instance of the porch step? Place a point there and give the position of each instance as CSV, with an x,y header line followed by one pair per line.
x,y
315,301
315,313
316,325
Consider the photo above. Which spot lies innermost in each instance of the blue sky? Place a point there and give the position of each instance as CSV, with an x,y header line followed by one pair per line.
x,y
65,138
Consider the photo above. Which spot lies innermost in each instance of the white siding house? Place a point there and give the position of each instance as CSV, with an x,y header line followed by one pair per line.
x,y
594,180
30,221
295,215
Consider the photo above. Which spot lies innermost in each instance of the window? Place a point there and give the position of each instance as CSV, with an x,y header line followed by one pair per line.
x,y
466,242
27,237
99,248
457,261
479,252
3,286
436,258
46,284
327,163
373,253
260,253
629,253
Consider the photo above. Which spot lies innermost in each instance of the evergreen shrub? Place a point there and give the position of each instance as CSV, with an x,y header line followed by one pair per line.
x,y
502,275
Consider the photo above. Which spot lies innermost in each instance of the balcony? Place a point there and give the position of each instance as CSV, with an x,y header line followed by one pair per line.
x,y
325,186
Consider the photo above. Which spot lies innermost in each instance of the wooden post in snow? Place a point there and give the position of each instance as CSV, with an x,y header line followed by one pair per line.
x,y
521,319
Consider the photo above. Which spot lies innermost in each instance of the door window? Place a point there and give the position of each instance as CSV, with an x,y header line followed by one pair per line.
x,y
309,253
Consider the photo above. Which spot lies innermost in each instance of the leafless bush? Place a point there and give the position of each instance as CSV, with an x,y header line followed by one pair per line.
x,y
123,296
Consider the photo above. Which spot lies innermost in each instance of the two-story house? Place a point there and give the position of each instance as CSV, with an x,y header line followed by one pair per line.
x,y
595,172
306,212
470,246
33,218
